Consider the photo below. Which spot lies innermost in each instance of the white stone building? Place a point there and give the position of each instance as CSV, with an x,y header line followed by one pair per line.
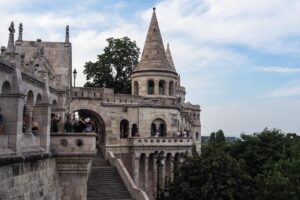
x,y
143,135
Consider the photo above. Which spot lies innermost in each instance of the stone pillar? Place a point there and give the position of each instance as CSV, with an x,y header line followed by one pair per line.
x,y
163,173
167,88
28,121
156,87
171,169
73,175
42,115
12,106
155,176
135,169
146,173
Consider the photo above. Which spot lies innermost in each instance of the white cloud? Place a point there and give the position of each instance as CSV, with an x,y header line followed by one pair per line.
x,y
279,69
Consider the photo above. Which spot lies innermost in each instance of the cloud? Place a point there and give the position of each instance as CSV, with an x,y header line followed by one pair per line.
x,y
279,69
285,92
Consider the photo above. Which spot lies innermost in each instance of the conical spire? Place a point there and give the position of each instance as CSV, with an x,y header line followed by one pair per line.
x,y
169,57
154,56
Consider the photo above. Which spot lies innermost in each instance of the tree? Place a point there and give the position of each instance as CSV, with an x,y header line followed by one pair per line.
x,y
113,68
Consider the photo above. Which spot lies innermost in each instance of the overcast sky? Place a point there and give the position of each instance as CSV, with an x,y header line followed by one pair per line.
x,y
240,60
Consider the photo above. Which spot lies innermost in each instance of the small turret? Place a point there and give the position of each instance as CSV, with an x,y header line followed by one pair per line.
x,y
67,34
11,40
20,37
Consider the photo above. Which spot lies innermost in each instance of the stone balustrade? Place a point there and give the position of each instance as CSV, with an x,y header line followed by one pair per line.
x,y
160,141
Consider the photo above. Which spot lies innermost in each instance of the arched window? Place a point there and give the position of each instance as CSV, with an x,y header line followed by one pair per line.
x,y
136,88
6,88
158,128
162,87
30,97
134,130
39,99
194,116
197,135
124,128
171,88
162,130
151,87
153,129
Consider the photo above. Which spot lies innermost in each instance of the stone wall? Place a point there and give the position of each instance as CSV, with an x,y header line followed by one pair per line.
x,y
29,180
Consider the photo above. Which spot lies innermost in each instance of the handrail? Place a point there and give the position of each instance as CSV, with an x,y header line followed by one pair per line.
x,y
133,190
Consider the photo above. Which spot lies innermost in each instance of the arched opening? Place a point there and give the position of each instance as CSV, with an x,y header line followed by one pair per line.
x,y
150,85
39,99
197,135
194,116
142,173
134,130
124,128
136,88
162,87
84,120
30,98
6,88
160,128
179,100
171,88
54,103
153,129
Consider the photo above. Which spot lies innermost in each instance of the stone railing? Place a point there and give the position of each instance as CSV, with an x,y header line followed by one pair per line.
x,y
82,143
160,141
134,191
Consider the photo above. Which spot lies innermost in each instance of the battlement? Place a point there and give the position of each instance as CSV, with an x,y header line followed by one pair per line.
x,y
156,141
189,106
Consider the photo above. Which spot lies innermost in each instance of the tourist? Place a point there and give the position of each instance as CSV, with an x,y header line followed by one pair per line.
x,y
54,123
2,122
68,126
34,126
89,125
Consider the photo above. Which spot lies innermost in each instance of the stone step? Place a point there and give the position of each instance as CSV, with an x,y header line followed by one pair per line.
x,y
104,182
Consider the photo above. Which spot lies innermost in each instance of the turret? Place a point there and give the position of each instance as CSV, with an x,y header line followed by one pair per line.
x,y
154,76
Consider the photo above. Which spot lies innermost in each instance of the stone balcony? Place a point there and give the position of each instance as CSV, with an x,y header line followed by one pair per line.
x,y
73,143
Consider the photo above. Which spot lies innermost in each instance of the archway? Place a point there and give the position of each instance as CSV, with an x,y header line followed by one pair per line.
x,y
89,121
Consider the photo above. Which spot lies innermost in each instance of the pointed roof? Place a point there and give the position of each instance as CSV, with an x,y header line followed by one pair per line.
x,y
169,57
154,56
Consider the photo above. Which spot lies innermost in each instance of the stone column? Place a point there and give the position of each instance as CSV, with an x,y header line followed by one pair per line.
x,y
163,173
135,169
156,87
28,122
146,173
155,176
171,169
167,88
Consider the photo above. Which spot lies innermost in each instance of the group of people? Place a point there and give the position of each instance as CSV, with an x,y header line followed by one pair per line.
x,y
34,125
184,134
78,125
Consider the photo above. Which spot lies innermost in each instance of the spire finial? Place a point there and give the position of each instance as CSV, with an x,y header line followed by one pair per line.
x,y
169,56
67,34
154,9
20,38
11,43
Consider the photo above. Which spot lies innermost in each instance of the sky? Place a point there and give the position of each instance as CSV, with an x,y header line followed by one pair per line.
x,y
239,60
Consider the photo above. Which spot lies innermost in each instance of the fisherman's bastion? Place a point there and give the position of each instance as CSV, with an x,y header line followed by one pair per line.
x,y
137,141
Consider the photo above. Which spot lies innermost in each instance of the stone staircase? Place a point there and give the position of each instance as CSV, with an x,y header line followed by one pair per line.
x,y
104,182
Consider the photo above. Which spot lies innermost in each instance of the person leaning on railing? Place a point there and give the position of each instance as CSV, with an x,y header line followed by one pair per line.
x,y
2,122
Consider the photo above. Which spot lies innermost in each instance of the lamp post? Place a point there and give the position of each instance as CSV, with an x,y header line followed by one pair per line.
x,y
74,75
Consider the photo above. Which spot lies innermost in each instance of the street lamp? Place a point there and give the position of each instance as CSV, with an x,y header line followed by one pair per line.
x,y
74,75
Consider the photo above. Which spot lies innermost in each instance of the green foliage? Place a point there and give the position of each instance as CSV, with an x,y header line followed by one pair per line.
x,y
263,166
114,67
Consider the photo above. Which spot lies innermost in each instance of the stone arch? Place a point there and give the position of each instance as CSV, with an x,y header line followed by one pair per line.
x,y
30,97
162,87
150,87
171,88
124,128
134,130
6,88
39,99
136,88
161,127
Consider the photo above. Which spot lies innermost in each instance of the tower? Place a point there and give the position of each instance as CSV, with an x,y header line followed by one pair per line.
x,y
154,76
